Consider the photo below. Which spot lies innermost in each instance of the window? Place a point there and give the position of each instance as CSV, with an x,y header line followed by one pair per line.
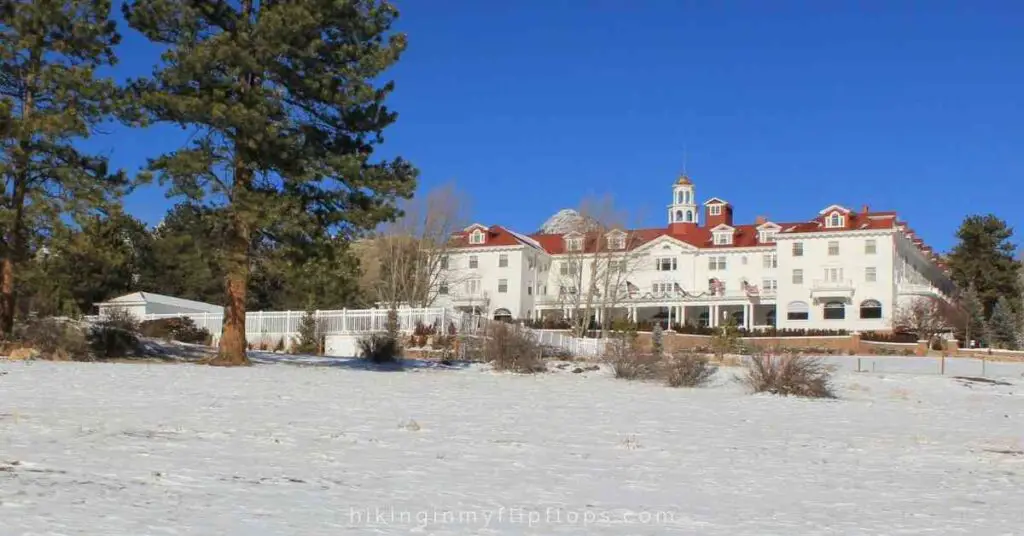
x,y
531,262
768,236
743,260
442,289
568,268
798,277
472,287
665,264
870,247
870,309
769,285
723,238
716,263
834,275
798,310
617,266
544,290
616,242
473,261
715,210
835,220
661,288
476,237
679,215
503,260
567,290
680,197
529,290
870,274
574,244
502,286
798,249
689,216
835,310
771,260
833,248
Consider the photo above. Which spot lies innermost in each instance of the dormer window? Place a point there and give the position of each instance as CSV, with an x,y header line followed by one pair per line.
x,y
715,210
723,238
476,237
574,244
767,236
835,220
616,240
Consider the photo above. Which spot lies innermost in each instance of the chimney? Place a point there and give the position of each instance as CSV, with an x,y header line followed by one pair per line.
x,y
865,209
760,219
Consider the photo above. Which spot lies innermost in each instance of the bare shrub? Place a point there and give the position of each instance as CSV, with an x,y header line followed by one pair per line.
x,y
379,348
115,335
54,338
687,370
513,349
624,356
791,375
182,329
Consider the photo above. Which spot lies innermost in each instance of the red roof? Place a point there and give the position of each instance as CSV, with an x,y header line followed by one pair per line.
x,y
701,237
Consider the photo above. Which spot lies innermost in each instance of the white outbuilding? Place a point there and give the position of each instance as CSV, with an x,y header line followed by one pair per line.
x,y
140,304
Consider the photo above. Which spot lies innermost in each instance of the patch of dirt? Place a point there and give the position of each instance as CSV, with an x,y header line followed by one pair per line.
x,y
968,380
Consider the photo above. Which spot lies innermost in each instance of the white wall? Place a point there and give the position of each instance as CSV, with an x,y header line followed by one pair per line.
x,y
488,273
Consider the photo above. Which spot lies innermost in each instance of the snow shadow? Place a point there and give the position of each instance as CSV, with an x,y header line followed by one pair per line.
x,y
352,363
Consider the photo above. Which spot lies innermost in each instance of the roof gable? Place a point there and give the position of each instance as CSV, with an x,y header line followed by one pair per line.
x,y
715,201
834,208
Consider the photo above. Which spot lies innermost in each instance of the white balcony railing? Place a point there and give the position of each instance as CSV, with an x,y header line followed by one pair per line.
x,y
830,284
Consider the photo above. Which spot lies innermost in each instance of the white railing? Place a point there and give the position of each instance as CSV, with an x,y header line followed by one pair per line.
x,y
269,327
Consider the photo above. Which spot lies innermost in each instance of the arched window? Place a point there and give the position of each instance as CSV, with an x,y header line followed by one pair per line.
x,y
503,314
689,216
835,310
686,197
836,220
870,309
798,310
680,197
679,215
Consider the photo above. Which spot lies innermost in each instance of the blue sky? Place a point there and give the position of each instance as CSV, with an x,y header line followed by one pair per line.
x,y
782,108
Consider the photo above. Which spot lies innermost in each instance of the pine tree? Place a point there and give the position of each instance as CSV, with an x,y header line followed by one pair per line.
x,y
1003,326
286,111
974,314
308,341
50,97
984,257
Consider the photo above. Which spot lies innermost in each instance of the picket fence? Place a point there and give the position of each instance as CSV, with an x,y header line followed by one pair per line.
x,y
270,327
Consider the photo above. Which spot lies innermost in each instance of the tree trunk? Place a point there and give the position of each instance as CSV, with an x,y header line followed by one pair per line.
x,y
232,350
8,297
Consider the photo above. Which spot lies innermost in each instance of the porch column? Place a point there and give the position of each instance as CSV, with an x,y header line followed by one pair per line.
x,y
713,316
669,326
682,315
748,316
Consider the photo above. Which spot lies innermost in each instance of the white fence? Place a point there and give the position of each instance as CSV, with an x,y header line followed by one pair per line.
x,y
268,328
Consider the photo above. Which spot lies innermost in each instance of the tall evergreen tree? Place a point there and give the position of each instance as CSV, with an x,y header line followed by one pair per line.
x,y
1003,325
984,258
50,96
286,111
184,255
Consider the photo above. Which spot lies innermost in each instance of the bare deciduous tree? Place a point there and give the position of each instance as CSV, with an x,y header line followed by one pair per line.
x,y
407,260
924,317
599,257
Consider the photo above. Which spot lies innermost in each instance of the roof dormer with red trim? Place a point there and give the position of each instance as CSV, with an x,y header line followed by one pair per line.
x,y
835,217
717,212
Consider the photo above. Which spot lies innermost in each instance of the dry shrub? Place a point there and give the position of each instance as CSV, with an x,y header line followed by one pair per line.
x,y
54,338
791,375
687,370
379,348
624,356
182,329
116,335
513,349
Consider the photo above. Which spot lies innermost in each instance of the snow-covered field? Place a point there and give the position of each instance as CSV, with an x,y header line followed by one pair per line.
x,y
107,449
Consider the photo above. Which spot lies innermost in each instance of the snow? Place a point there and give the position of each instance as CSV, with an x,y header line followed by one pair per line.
x,y
327,447
565,221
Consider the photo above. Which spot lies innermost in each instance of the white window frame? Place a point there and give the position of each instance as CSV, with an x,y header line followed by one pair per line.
x,y
474,262
503,286
723,238
770,260
472,287
870,246
442,288
835,220
833,248
444,262
798,276
574,244
717,263
768,236
769,285
871,274
616,242
476,237
503,260
798,249
715,210
660,263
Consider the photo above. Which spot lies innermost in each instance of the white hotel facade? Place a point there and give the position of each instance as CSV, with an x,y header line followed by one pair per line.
x,y
841,269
